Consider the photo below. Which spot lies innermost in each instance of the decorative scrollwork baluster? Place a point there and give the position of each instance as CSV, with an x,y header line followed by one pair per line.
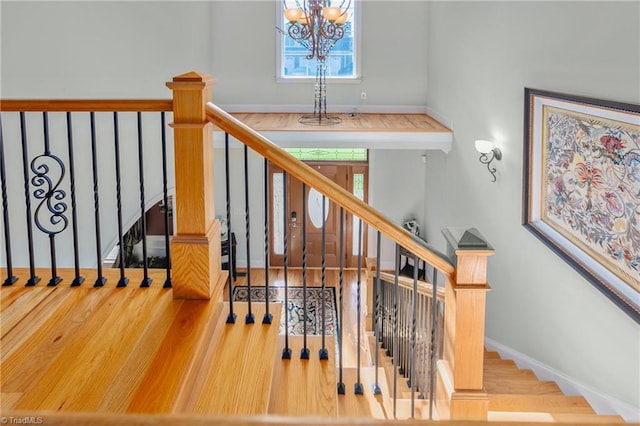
x,y
50,220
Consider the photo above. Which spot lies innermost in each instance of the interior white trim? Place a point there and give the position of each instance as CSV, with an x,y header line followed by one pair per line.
x,y
601,402
330,139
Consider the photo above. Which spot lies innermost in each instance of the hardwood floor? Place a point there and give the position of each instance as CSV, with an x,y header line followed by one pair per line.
x,y
137,350
268,122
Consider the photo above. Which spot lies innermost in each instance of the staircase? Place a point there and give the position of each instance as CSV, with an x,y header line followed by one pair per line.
x,y
518,395
137,350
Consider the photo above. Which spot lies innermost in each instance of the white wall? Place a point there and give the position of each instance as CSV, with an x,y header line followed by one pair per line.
x,y
244,62
94,50
481,56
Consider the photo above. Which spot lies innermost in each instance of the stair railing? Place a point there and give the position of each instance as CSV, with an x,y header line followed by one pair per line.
x,y
460,391
52,149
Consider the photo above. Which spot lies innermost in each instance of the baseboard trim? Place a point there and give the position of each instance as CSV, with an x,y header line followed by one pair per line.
x,y
601,403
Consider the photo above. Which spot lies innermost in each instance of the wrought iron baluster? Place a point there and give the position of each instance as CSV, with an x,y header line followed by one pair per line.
x,y
100,280
165,198
304,353
432,346
116,141
268,317
395,333
376,316
341,386
286,351
74,214
358,388
231,317
412,339
53,221
5,214
146,281
33,279
249,318
324,353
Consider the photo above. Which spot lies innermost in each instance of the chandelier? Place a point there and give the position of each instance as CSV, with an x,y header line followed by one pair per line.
x,y
318,26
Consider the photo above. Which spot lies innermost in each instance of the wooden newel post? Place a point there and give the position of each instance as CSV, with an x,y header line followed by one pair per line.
x,y
461,392
195,249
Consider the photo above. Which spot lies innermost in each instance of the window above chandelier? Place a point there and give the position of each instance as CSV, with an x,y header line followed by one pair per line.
x,y
312,29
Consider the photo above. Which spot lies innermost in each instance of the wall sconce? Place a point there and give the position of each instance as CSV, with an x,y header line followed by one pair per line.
x,y
488,153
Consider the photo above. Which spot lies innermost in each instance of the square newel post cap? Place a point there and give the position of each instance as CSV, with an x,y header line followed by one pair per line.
x,y
192,80
191,91
469,251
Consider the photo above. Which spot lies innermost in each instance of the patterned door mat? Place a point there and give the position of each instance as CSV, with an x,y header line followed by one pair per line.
x,y
295,309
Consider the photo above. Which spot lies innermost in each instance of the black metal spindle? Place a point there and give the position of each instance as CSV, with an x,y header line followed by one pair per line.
x,y
432,345
249,318
165,198
33,279
358,388
123,281
400,346
395,333
341,386
268,317
412,344
146,280
324,353
376,316
304,353
286,351
100,280
46,195
78,279
5,214
231,317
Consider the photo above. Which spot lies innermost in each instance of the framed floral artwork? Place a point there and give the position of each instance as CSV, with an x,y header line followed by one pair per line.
x,y
582,188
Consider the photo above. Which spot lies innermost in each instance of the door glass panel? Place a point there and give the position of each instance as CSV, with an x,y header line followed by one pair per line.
x,y
278,213
358,192
314,204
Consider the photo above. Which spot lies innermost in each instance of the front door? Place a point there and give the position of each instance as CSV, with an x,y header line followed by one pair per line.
x,y
345,175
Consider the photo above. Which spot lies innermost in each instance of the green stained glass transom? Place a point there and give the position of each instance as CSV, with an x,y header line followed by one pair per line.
x,y
329,154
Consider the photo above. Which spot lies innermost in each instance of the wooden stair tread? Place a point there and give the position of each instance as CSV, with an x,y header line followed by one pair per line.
x,y
304,387
539,403
491,355
521,387
173,362
236,377
577,418
368,404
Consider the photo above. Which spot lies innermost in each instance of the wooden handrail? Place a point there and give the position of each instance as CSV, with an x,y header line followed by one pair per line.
x,y
86,105
424,287
326,186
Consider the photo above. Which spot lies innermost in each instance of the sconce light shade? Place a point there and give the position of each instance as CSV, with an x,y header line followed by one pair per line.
x,y
483,146
488,153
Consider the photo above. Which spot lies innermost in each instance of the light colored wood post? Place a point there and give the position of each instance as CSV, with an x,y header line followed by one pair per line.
x,y
461,393
195,249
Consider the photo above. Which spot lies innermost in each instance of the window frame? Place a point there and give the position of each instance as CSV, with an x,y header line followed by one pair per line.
x,y
357,43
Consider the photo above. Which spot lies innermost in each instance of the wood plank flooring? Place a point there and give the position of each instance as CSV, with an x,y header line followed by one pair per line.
x,y
135,350
283,122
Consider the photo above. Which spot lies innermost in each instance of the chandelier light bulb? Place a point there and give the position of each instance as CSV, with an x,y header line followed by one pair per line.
x,y
292,14
331,13
342,18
